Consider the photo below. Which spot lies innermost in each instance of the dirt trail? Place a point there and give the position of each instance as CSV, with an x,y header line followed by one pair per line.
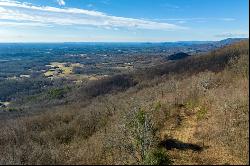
x,y
187,129
185,148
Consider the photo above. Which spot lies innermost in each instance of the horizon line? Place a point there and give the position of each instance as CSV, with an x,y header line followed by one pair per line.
x,y
64,42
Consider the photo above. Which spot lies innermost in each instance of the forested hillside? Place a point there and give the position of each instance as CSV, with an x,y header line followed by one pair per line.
x,y
186,111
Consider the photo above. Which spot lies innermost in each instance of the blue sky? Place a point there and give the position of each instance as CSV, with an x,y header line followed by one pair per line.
x,y
122,20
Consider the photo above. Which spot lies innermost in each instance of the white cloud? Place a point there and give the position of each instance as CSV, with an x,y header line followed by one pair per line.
x,y
61,2
232,34
23,24
196,19
227,19
182,22
16,11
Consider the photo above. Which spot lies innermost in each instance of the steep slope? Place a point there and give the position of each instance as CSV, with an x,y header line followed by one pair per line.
x,y
191,111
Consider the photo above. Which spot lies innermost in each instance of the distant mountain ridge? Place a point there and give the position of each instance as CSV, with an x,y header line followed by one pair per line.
x,y
167,48
230,41
224,41
203,46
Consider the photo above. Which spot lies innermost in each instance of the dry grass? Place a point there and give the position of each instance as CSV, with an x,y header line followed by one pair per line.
x,y
208,108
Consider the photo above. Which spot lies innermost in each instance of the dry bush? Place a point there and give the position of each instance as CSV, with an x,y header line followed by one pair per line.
x,y
108,128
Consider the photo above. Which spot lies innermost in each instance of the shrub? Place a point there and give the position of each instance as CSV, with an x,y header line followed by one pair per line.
x,y
158,157
158,106
58,93
201,112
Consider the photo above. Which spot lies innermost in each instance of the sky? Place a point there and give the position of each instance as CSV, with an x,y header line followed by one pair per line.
x,y
122,20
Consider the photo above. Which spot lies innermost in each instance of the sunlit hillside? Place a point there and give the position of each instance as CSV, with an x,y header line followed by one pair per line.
x,y
187,111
